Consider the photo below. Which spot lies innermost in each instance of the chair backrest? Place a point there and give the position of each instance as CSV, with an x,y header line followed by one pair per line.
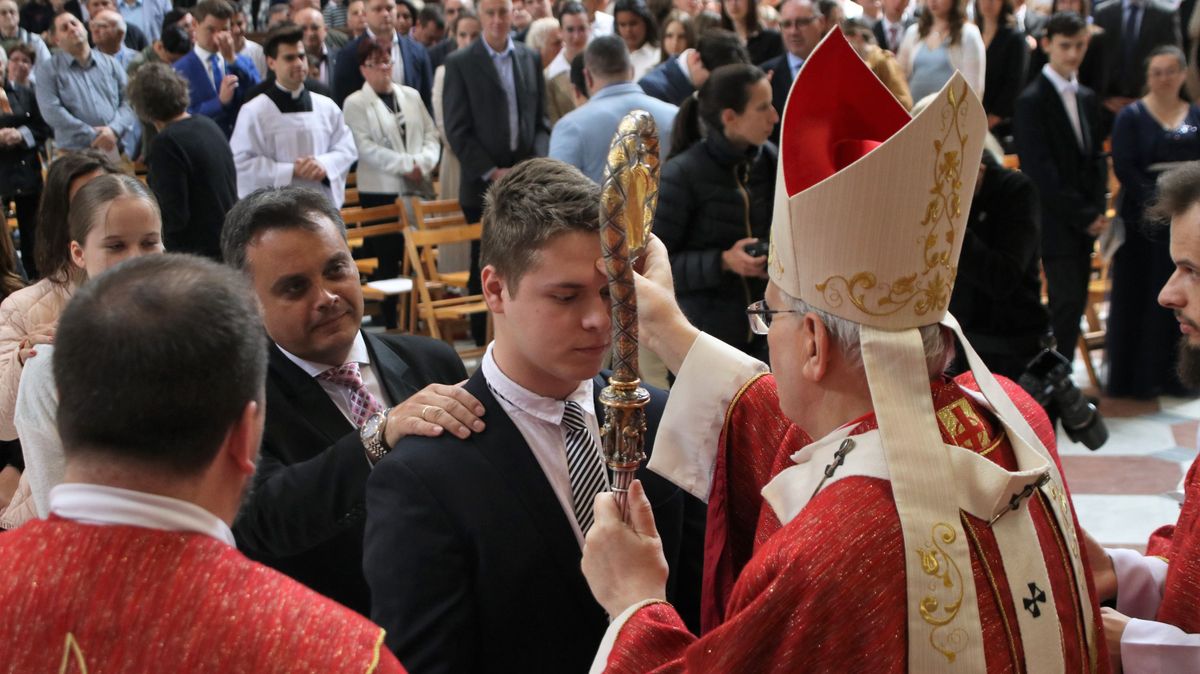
x,y
363,223
352,198
421,249
438,213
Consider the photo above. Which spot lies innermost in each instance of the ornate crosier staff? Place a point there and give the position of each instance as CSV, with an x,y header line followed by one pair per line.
x,y
627,205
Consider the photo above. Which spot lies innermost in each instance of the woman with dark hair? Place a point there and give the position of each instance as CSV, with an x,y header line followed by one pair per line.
x,y
637,27
1156,133
406,14
190,164
715,201
939,43
1006,65
741,17
23,133
678,34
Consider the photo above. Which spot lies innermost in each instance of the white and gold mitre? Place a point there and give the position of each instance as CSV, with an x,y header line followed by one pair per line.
x,y
870,204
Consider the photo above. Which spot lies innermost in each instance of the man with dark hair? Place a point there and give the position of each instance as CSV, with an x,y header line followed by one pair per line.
x,y
675,79
338,398
802,27
290,135
81,93
136,566
218,78
190,164
410,61
582,137
473,544
1055,128
268,81
495,115
430,26
1154,626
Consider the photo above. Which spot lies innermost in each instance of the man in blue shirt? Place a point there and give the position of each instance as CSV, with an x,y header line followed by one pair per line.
x,y
81,93
582,137
146,15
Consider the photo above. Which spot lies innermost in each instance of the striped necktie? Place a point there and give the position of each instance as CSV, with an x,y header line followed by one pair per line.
x,y
584,464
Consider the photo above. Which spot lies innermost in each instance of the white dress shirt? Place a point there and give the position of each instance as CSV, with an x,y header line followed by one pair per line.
x,y
539,419
204,55
340,395
111,506
1067,90
602,25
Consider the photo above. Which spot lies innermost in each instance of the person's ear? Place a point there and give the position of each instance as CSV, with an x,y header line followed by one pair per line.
x,y
494,287
242,442
727,117
815,344
77,255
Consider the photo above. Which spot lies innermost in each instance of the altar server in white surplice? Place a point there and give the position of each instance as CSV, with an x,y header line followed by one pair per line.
x,y
289,135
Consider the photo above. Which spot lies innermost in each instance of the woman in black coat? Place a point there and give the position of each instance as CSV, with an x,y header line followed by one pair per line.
x,y
22,133
1007,64
715,201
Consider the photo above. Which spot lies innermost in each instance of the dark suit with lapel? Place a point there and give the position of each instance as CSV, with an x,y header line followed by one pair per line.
x,y
203,96
473,564
1072,182
666,82
306,514
418,74
439,51
881,36
1160,26
781,86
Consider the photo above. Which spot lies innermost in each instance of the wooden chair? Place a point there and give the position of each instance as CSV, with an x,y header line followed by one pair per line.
x,y
352,200
438,214
1094,337
361,225
433,307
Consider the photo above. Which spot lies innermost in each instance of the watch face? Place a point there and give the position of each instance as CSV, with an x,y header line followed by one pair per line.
x,y
372,426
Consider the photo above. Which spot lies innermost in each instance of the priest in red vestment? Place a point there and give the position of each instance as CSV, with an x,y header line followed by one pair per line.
x,y
866,512
1155,626
161,365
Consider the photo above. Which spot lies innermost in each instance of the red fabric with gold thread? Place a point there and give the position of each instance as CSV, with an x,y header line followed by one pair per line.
x,y
1181,592
826,592
115,599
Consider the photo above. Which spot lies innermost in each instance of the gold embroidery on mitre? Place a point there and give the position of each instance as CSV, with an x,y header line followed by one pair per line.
x,y
940,607
773,260
928,289
963,426
72,653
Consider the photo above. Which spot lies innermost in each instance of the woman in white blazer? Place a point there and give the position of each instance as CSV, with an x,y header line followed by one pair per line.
x,y
938,44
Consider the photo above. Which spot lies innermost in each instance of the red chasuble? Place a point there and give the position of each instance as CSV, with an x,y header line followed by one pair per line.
x,y
826,592
112,599
1181,592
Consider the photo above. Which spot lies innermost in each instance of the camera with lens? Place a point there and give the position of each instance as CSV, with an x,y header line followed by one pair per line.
x,y
1047,379
757,249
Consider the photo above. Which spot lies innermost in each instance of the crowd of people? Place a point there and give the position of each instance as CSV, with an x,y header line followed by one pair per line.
x,y
220,411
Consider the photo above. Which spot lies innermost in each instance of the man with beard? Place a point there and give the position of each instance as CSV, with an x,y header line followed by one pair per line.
x,y
136,565
1155,626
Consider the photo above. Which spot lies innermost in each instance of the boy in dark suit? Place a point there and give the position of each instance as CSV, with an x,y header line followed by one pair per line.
x,y
473,545
1055,132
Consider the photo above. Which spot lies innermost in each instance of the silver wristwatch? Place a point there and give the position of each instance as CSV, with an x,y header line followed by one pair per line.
x,y
372,434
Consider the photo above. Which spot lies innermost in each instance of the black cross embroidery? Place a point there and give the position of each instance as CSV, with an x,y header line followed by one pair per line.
x,y
1035,595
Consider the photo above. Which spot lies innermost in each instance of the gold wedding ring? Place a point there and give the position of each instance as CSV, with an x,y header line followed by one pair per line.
x,y
424,410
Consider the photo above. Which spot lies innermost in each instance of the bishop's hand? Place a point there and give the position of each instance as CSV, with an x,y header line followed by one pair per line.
x,y
624,563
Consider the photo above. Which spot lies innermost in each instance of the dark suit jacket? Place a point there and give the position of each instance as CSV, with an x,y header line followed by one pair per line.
x,y
781,85
439,51
666,83
306,514
203,95
417,72
1160,26
881,37
476,114
1070,181
473,564
21,166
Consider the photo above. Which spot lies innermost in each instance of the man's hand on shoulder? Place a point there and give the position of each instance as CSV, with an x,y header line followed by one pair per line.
x,y
433,410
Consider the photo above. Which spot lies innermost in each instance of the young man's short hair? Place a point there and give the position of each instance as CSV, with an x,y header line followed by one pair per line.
x,y
274,208
1178,192
217,8
535,202
285,33
155,360
1067,24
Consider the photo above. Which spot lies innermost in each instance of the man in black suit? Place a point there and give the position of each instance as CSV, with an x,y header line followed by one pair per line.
x,y
1132,29
473,545
337,398
889,29
1055,132
803,27
495,111
410,61
675,79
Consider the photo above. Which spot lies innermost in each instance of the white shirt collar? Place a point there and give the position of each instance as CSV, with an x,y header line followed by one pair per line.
x,y
358,354
1060,84
681,61
109,506
508,47
794,62
294,94
395,36
204,54
549,410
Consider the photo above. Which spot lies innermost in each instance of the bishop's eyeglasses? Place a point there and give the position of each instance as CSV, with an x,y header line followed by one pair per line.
x,y
761,315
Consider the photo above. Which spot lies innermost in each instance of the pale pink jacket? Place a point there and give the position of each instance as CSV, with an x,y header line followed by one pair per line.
x,y
20,313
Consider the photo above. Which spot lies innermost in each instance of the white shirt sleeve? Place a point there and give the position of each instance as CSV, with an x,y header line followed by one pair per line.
x,y
37,425
685,448
1149,647
1139,582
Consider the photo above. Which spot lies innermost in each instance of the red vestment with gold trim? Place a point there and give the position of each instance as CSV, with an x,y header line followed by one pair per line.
x,y
113,599
1181,591
826,592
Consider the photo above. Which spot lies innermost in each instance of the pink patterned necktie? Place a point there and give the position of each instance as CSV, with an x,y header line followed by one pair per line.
x,y
362,403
